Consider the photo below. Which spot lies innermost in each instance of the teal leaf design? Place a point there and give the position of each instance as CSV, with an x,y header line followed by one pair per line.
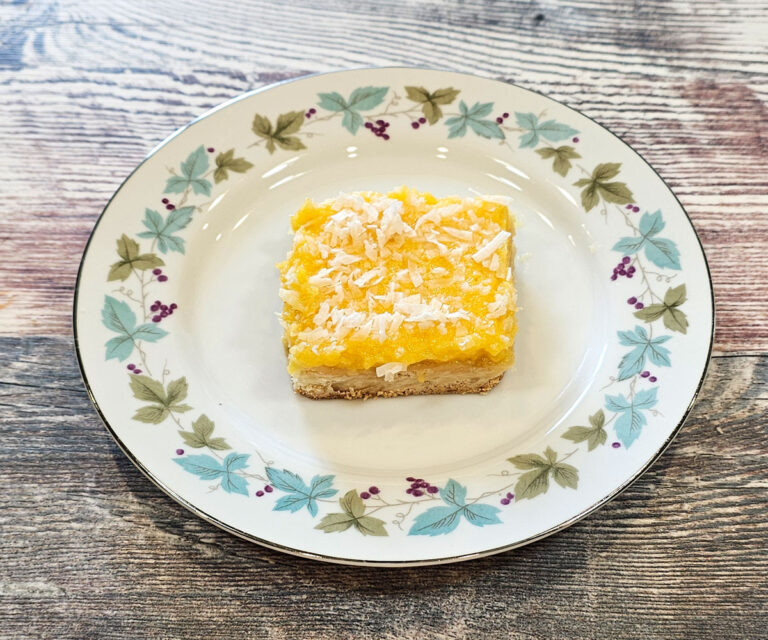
x,y
661,251
299,495
332,102
549,130
117,316
444,519
474,118
643,347
361,99
631,419
352,121
163,230
209,468
192,170
365,98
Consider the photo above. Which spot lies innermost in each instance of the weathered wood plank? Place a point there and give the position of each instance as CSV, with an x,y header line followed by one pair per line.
x,y
92,549
87,89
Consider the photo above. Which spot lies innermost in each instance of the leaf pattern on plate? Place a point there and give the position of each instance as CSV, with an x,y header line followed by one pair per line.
x,y
429,511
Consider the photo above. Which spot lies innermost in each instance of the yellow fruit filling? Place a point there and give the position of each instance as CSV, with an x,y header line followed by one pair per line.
x,y
388,280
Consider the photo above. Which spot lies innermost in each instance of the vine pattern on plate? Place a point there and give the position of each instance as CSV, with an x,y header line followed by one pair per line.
x,y
136,323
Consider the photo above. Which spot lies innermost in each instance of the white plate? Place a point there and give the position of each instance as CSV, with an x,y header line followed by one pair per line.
x,y
598,391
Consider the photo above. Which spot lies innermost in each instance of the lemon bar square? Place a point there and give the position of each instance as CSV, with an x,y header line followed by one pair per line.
x,y
399,294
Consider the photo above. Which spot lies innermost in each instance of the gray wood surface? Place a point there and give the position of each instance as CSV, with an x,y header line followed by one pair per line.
x,y
91,549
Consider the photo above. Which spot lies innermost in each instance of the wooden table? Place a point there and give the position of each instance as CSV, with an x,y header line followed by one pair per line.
x,y
91,549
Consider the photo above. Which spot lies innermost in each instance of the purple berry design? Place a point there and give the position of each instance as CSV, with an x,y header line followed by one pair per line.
x,y
131,367
417,493
635,209
312,111
645,374
162,278
504,501
614,276
179,452
137,371
422,120
409,491
156,318
510,496
269,488
432,489
499,120
639,306
259,493
410,479
652,379
211,149
576,139
505,115
365,495
374,491
629,206
626,259
616,445
170,207
415,125
164,201
632,300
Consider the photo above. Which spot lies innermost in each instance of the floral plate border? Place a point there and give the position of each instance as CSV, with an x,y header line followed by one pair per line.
x,y
135,321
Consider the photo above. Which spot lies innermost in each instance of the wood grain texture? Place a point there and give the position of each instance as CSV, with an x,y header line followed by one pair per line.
x,y
92,549
86,89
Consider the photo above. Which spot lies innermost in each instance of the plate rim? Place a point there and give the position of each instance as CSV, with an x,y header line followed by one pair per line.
x,y
359,561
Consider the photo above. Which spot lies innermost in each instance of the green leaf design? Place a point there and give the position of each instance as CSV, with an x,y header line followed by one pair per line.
x,y
536,481
594,435
151,414
597,187
164,401
562,157
430,102
528,461
674,318
532,484
145,388
353,516
287,124
130,259
225,162
200,436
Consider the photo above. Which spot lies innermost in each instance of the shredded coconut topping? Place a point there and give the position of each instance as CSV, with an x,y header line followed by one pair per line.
x,y
394,279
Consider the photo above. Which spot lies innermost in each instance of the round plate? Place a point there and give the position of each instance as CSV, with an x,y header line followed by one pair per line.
x,y
615,321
